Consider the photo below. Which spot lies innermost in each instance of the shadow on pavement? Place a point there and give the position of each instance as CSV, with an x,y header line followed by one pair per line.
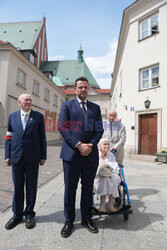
x,y
142,192
138,220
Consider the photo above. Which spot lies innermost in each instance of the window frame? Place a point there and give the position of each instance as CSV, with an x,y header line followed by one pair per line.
x,y
32,58
34,92
46,99
149,30
149,78
50,76
55,103
19,79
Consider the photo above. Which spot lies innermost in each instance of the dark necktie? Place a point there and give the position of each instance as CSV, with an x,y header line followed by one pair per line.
x,y
111,128
83,109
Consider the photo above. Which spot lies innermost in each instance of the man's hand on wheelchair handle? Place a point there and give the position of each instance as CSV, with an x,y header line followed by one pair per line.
x,y
113,150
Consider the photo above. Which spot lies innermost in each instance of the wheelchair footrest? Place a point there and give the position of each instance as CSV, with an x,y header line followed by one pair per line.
x,y
124,210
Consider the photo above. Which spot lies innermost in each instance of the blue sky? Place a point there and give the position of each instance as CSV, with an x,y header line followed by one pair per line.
x,y
93,23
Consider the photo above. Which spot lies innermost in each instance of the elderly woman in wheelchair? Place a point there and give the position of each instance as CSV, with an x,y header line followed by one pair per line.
x,y
107,178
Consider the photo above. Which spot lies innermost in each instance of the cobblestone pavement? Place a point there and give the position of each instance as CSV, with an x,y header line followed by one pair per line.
x,y
52,167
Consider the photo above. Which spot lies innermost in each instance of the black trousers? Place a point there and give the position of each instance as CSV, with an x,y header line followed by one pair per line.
x,y
86,170
24,173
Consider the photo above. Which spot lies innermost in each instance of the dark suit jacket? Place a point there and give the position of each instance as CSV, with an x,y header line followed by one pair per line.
x,y
74,128
31,142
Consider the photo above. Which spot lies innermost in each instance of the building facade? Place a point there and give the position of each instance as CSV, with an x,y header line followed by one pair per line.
x,y
65,72
18,75
98,96
139,84
24,68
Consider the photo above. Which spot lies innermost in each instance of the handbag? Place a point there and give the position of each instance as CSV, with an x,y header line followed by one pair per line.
x,y
104,170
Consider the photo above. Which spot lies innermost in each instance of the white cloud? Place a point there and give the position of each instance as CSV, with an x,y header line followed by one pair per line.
x,y
104,81
55,58
102,67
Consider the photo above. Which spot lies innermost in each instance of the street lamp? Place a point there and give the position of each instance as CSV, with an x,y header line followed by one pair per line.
x,y
147,104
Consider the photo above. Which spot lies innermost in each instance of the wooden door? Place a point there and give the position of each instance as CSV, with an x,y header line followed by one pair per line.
x,y
148,134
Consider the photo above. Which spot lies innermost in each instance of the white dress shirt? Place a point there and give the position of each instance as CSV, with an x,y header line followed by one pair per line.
x,y
81,103
22,113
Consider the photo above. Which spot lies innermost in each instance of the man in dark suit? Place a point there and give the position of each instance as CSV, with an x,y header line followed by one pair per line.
x,y
80,124
25,149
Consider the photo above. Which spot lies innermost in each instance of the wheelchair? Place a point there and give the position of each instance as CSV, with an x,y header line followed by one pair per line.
x,y
122,202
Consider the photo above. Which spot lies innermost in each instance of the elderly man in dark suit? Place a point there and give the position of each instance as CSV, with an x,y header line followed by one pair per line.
x,y
25,149
80,124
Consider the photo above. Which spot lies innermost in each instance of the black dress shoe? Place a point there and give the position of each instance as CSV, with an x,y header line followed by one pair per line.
x,y
89,224
30,223
67,229
12,223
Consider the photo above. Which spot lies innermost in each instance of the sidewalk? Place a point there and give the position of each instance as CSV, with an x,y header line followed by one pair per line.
x,y
145,229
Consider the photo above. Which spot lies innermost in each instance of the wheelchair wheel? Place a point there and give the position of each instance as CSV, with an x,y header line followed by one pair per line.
x,y
126,217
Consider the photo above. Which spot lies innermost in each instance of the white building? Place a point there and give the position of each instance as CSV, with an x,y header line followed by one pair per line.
x,y
140,75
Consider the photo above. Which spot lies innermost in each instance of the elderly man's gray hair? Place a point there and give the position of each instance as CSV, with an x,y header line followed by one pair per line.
x,y
22,96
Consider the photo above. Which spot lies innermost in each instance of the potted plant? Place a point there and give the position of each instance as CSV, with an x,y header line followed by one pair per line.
x,y
162,156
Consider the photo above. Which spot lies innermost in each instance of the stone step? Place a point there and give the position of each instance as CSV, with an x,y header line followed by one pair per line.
x,y
150,158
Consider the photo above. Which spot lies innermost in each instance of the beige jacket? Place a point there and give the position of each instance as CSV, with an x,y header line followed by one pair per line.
x,y
117,139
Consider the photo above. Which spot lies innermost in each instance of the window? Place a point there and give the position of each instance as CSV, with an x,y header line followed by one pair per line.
x,y
50,76
149,77
155,76
149,26
55,100
46,95
32,58
21,76
35,88
154,24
